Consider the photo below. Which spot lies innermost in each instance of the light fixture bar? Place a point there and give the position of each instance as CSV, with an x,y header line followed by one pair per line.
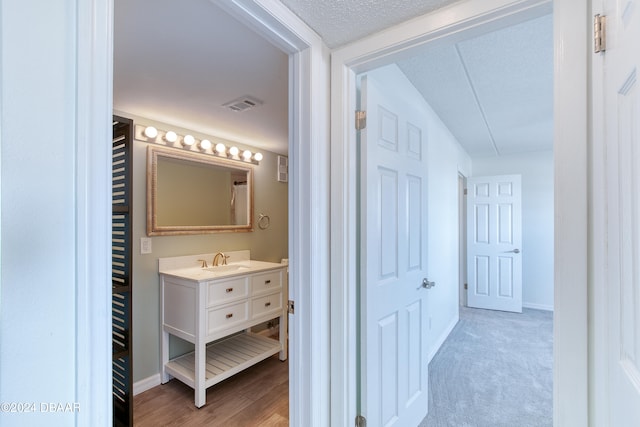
x,y
170,138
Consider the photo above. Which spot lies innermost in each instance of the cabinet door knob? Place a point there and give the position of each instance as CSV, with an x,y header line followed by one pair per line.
x,y
229,290
229,316
266,282
267,304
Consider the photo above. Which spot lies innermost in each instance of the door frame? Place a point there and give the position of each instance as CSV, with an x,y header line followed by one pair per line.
x,y
462,240
571,20
309,353
308,207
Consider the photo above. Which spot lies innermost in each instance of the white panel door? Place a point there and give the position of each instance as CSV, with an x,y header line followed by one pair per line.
x,y
494,243
622,136
394,377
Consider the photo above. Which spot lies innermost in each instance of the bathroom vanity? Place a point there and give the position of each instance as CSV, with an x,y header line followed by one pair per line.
x,y
214,308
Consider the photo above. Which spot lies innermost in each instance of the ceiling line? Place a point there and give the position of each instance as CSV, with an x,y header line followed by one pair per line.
x,y
475,97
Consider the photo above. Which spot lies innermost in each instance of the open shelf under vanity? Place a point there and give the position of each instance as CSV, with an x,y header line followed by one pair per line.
x,y
224,358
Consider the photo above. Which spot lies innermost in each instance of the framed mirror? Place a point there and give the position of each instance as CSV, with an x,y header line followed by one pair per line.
x,y
193,193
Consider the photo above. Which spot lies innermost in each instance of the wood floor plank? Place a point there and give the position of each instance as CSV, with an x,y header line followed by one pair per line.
x,y
263,410
257,396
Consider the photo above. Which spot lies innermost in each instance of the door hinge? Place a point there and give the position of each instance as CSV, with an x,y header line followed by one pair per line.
x,y
466,286
361,119
599,33
290,307
361,421
466,191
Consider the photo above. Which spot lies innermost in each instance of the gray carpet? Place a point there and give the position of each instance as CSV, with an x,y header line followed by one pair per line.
x,y
494,370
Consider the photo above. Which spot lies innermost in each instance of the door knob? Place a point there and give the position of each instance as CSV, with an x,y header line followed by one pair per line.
x,y
516,251
427,284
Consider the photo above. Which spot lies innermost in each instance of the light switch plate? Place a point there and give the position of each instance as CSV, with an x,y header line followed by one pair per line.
x,y
145,245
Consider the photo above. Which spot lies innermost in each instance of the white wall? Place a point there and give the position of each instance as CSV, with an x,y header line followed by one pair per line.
x,y
445,159
537,220
38,206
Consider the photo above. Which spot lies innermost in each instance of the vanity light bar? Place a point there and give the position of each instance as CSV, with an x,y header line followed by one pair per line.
x,y
188,142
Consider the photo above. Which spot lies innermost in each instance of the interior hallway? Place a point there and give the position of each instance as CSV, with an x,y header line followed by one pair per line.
x,y
494,370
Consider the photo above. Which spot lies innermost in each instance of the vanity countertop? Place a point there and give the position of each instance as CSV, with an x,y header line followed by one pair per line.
x,y
190,267
200,274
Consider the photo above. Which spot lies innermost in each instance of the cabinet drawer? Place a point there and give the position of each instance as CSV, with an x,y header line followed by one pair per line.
x,y
226,291
227,317
269,304
266,283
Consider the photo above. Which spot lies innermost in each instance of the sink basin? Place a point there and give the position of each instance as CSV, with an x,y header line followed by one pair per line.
x,y
227,268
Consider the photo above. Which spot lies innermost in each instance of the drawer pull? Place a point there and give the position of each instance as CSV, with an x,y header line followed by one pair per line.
x,y
267,304
229,316
229,290
266,282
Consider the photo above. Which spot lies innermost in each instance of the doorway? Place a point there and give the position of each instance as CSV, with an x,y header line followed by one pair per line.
x,y
462,240
369,54
299,47
446,184
537,219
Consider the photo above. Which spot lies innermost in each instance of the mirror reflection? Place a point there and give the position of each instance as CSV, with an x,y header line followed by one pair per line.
x,y
192,193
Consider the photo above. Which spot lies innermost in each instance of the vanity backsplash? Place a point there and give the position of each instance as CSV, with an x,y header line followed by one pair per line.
x,y
193,261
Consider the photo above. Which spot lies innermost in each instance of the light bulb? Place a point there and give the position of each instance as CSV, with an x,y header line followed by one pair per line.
x,y
220,148
257,157
188,140
205,144
246,154
234,151
150,132
170,136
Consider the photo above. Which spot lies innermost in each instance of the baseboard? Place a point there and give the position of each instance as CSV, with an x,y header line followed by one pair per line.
x,y
443,337
537,306
146,384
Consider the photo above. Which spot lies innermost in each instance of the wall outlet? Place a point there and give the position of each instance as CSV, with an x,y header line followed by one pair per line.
x,y
145,245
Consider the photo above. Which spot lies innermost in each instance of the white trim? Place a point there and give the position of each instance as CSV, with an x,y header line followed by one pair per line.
x,y
571,183
310,353
443,337
462,240
93,211
146,384
452,23
571,49
599,339
534,306
344,245
273,21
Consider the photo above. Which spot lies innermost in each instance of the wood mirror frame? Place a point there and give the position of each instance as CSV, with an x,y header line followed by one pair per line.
x,y
206,193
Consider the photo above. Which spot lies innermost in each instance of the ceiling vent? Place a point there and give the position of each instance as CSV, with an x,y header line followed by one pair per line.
x,y
243,103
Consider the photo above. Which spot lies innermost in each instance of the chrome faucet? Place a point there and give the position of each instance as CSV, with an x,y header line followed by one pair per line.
x,y
218,257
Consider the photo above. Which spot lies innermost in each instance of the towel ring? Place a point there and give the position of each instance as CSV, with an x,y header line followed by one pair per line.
x,y
264,221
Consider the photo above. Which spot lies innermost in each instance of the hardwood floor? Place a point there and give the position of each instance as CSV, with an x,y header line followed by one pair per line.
x,y
257,396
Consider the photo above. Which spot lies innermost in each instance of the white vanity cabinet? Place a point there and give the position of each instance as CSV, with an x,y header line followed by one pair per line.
x,y
215,314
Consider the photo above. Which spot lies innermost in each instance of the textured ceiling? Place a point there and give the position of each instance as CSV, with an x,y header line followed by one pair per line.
x,y
495,91
180,62
339,22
